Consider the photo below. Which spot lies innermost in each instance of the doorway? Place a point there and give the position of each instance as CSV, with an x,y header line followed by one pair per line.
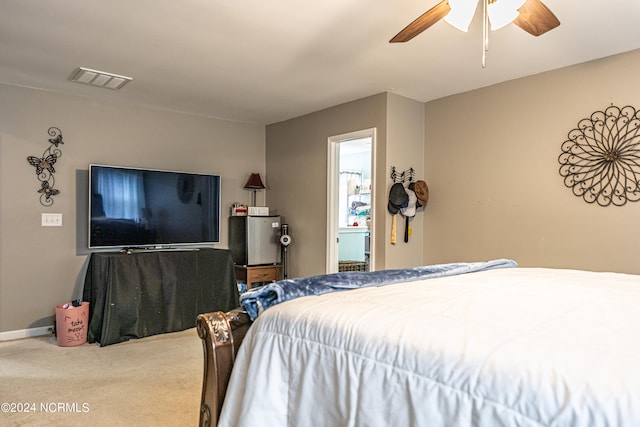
x,y
350,201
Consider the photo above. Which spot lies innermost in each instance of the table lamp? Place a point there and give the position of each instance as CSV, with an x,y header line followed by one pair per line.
x,y
254,183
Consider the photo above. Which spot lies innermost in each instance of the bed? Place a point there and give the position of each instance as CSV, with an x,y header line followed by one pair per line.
x,y
502,346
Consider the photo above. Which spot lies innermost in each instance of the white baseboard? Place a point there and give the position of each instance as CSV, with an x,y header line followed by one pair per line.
x,y
26,333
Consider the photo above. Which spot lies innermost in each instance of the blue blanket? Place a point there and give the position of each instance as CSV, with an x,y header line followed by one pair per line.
x,y
257,300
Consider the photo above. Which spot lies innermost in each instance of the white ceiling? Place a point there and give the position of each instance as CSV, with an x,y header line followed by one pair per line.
x,y
264,61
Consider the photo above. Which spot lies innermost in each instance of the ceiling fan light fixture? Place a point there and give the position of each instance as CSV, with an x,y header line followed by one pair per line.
x,y
503,12
530,15
461,14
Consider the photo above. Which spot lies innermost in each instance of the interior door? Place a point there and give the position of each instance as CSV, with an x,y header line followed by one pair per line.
x,y
350,201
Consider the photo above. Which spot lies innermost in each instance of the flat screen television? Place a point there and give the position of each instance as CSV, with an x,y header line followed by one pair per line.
x,y
148,208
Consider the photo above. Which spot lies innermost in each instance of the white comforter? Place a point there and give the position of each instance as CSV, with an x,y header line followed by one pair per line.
x,y
511,347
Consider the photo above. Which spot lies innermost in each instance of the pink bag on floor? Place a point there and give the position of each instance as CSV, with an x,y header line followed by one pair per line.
x,y
72,324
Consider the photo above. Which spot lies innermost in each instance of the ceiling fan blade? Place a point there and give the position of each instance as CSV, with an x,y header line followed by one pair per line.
x,y
423,22
536,18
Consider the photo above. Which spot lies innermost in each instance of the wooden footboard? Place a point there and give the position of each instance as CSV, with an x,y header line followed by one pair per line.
x,y
222,334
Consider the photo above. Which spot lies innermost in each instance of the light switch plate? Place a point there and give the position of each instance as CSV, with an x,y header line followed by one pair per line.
x,y
52,220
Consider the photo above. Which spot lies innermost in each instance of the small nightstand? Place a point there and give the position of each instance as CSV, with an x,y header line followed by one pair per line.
x,y
257,273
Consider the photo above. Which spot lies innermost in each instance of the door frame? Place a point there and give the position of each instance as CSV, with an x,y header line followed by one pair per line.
x,y
333,182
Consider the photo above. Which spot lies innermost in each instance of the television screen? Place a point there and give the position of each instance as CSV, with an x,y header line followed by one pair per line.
x,y
135,207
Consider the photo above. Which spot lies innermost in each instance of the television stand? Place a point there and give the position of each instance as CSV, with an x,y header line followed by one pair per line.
x,y
152,292
137,250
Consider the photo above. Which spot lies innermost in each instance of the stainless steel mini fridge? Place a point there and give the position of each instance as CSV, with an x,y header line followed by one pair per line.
x,y
254,240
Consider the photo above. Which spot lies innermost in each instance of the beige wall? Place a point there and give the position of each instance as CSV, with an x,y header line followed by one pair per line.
x,y
405,149
491,162
297,168
490,159
42,266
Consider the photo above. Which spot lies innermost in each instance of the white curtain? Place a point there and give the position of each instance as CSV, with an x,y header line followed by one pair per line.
x,y
123,194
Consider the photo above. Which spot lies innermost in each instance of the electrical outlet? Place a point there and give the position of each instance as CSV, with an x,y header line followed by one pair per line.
x,y
52,220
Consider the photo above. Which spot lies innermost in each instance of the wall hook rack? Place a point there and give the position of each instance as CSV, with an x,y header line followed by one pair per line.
x,y
403,177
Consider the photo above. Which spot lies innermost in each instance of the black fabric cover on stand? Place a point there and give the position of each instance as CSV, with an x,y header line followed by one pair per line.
x,y
152,292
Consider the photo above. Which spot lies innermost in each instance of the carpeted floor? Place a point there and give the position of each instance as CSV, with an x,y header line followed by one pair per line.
x,y
154,381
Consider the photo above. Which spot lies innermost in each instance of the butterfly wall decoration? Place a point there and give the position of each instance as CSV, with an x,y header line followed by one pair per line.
x,y
44,167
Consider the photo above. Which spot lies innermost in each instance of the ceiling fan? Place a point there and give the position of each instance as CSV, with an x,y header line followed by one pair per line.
x,y
530,15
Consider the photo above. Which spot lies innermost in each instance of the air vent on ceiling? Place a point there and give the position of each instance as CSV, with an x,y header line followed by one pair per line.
x,y
99,78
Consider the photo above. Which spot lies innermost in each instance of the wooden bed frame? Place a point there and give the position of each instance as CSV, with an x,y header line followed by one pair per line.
x,y
221,334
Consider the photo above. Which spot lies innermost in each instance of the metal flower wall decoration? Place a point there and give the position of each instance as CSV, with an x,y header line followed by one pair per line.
x,y
45,167
600,161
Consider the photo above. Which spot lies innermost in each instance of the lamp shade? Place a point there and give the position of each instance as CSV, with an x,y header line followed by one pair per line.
x,y
254,182
503,12
461,13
